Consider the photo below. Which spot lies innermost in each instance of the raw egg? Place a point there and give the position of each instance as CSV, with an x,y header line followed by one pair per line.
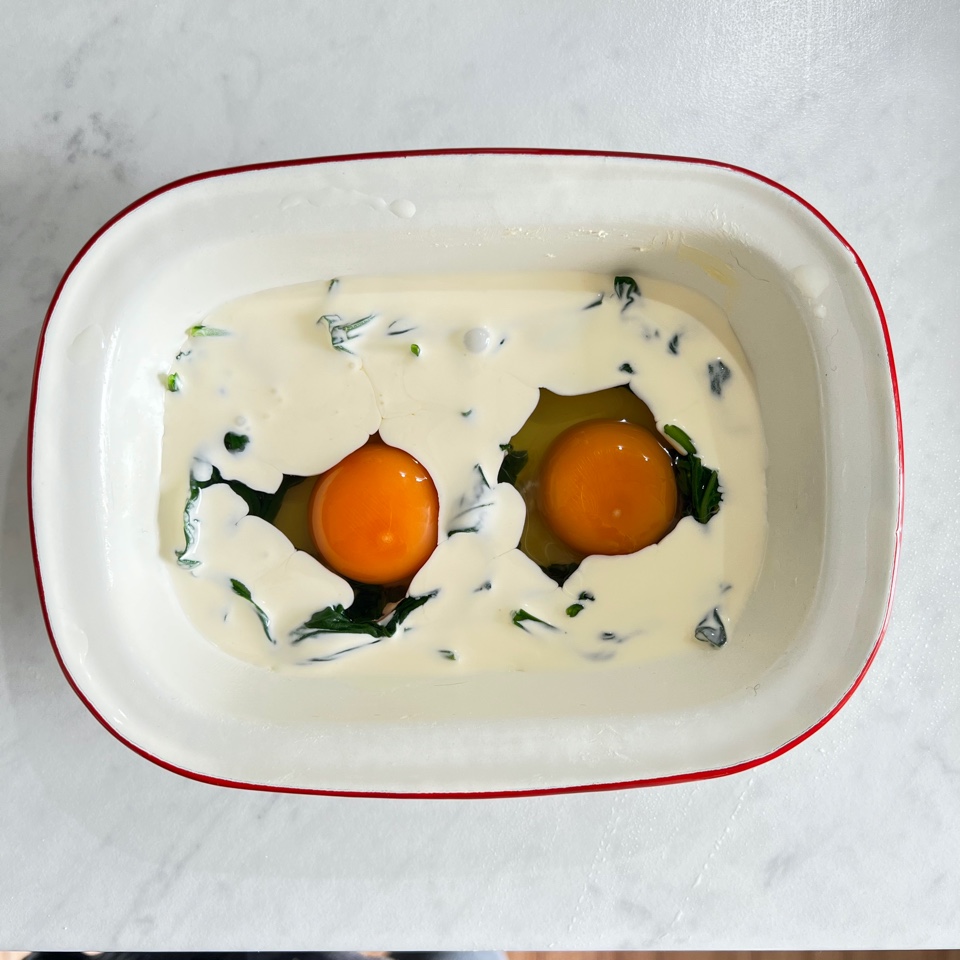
x,y
607,487
373,516
554,414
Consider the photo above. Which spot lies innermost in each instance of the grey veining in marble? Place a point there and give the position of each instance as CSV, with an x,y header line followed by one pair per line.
x,y
851,840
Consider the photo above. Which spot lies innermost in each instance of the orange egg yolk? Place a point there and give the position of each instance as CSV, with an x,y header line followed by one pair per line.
x,y
607,487
374,515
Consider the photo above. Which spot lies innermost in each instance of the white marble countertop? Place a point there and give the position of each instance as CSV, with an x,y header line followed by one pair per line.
x,y
850,840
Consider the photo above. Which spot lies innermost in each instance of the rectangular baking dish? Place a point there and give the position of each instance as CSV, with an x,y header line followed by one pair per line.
x,y
806,315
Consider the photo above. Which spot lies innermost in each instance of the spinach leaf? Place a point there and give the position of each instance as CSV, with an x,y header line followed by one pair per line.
x,y
711,629
190,531
625,289
336,619
394,331
719,374
577,607
241,591
519,617
368,601
235,442
200,330
560,572
698,486
342,331
473,529
681,437
513,462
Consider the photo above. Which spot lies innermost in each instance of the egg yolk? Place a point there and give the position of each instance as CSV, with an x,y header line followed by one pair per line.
x,y
607,487
374,515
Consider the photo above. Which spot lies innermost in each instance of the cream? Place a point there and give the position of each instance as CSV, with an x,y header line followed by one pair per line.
x,y
448,369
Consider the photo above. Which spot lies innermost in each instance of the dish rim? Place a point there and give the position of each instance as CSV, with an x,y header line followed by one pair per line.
x,y
688,777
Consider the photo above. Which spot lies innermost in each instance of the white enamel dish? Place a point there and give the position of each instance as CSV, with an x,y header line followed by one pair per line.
x,y
806,315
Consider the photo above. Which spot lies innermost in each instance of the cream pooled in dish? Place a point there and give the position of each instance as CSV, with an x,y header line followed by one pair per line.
x,y
426,475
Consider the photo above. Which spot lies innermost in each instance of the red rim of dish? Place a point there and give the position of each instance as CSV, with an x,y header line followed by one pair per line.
x,y
491,794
